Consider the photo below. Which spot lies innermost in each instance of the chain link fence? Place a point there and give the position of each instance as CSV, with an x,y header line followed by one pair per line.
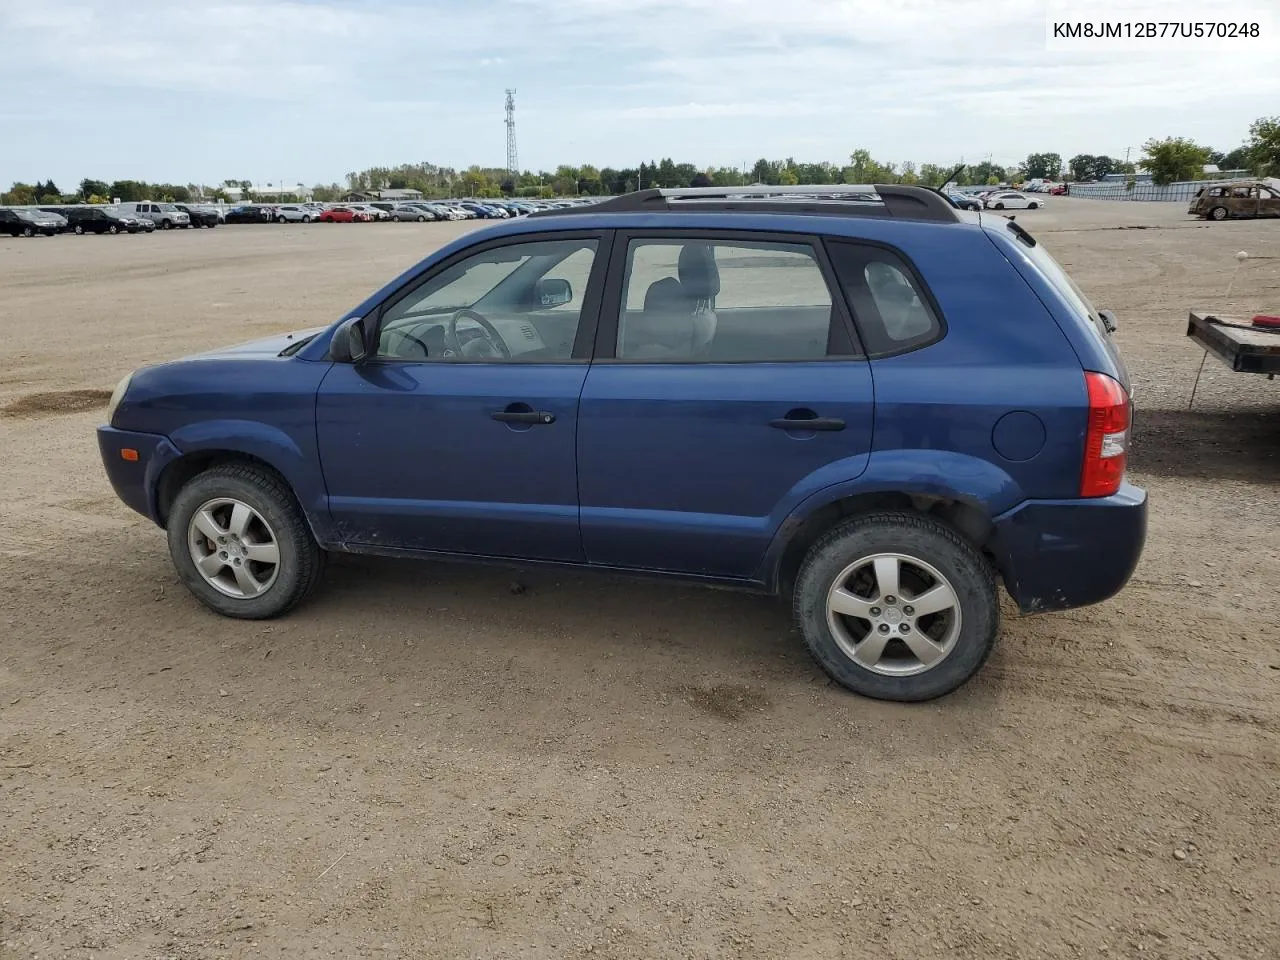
x,y
1182,191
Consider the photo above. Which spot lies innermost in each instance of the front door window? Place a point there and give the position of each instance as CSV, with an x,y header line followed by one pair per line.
x,y
521,302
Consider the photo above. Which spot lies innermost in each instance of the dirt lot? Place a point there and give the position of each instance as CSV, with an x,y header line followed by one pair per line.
x,y
423,763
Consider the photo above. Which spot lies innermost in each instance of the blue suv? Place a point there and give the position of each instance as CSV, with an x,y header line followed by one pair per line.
x,y
860,397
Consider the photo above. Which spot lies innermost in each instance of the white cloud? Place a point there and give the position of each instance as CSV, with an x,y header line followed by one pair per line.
x,y
707,80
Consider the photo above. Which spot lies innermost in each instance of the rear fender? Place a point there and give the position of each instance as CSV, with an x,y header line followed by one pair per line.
x,y
933,474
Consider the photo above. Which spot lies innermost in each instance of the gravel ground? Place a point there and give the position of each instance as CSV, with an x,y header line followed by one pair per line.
x,y
423,762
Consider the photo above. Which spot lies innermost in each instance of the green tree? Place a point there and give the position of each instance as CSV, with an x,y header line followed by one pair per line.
x,y
701,180
1241,158
1081,166
89,188
1043,166
985,172
1264,144
863,168
20,194
1174,159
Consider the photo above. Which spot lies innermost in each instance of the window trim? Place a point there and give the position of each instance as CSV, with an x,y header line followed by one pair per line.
x,y
606,337
917,279
587,322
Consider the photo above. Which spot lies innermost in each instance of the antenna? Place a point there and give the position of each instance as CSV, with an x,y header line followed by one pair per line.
x,y
513,163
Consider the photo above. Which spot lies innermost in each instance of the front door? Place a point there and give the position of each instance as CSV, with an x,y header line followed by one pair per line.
x,y
726,386
458,433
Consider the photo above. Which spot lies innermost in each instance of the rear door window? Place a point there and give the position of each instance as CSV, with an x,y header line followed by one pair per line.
x,y
725,301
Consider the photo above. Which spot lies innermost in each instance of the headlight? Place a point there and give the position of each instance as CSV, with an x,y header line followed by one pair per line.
x,y
116,396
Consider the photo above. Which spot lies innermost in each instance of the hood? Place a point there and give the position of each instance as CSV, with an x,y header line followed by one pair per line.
x,y
267,347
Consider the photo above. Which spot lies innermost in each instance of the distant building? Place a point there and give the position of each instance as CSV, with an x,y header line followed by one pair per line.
x,y
398,194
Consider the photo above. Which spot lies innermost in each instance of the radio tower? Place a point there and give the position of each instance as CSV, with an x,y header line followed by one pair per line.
x,y
513,164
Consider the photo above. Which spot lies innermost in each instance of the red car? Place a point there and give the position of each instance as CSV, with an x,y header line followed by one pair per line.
x,y
1058,191
343,215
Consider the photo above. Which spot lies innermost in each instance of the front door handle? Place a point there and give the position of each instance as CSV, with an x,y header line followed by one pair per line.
x,y
808,423
523,416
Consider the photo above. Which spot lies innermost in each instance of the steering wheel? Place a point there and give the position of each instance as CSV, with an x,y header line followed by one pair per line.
x,y
454,346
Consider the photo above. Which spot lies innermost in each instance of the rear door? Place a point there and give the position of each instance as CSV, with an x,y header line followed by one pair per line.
x,y
1268,202
726,385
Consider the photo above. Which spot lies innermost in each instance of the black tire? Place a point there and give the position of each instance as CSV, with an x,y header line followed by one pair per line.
x,y
1219,213
914,536
421,218
113,229
999,206
301,559
166,224
28,232
79,230
306,218
1033,206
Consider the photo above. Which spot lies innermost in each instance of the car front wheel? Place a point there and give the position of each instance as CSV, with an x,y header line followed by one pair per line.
x,y
1033,206
897,606
241,544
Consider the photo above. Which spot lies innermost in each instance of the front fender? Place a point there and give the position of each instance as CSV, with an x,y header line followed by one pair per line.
x,y
937,473
266,443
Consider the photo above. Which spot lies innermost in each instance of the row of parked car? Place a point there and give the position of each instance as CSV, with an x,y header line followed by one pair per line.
x,y
384,210
996,199
146,216
133,217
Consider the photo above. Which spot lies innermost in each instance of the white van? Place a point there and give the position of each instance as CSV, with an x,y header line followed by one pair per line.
x,y
164,215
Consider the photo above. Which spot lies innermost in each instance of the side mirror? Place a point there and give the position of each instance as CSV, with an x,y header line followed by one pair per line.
x,y
554,292
347,345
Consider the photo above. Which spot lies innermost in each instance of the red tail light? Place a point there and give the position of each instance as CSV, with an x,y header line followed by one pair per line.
x,y
1106,445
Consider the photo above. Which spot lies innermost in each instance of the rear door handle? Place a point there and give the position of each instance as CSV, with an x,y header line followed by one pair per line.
x,y
523,416
810,423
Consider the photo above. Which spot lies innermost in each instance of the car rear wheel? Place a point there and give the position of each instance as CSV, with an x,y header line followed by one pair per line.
x,y
897,606
241,544
1218,213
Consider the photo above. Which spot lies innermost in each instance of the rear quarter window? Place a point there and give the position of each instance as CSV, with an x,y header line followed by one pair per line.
x,y
892,309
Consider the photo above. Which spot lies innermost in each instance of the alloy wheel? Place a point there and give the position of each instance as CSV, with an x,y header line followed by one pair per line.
x,y
893,614
233,548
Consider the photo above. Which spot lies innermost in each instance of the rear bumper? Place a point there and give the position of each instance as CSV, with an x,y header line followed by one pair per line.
x,y
1057,554
135,480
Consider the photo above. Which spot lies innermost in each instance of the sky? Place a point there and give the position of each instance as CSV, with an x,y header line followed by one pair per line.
x,y
306,90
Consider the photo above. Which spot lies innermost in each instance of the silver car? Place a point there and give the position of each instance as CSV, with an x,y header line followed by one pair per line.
x,y
293,213
406,212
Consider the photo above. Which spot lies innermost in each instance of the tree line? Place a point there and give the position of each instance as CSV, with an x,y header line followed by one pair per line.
x,y
1167,160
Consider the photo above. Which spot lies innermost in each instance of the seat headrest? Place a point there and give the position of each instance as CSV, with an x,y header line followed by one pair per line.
x,y
663,294
699,275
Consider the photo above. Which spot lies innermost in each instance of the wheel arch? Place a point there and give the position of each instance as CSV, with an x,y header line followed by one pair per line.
x,y
963,491
971,521
204,446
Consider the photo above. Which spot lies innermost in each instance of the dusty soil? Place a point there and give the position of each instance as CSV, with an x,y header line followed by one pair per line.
x,y
424,762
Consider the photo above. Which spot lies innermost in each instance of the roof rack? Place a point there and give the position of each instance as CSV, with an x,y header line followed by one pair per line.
x,y
845,199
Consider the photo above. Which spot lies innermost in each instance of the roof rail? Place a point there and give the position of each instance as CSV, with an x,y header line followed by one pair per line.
x,y
843,199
